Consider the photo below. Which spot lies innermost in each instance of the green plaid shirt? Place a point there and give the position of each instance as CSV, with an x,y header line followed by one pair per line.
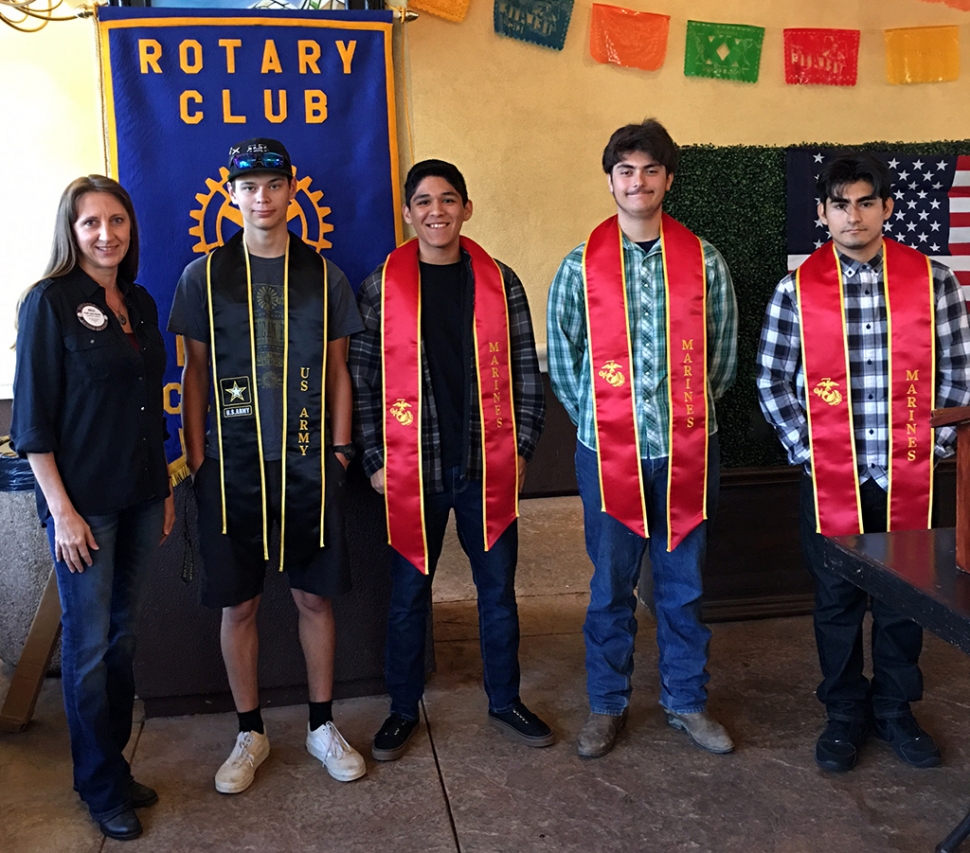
x,y
569,367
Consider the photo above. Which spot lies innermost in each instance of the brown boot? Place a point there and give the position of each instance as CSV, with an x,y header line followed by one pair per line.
x,y
703,729
598,734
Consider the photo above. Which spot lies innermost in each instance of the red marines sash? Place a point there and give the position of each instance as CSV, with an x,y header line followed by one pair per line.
x,y
403,463
608,329
910,304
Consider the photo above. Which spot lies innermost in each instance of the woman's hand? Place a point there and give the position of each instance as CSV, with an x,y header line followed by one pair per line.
x,y
169,521
73,541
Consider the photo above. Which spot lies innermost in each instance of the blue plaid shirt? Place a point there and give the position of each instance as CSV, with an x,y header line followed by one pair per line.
x,y
781,379
569,364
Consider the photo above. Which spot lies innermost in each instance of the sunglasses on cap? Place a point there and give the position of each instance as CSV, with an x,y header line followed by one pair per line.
x,y
263,159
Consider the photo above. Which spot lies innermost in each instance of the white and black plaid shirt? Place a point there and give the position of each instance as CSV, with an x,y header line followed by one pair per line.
x,y
366,366
781,379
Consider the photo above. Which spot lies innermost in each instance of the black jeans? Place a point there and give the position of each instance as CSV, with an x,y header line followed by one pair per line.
x,y
840,608
498,616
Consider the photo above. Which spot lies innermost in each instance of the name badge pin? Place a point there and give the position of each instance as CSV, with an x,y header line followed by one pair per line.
x,y
92,317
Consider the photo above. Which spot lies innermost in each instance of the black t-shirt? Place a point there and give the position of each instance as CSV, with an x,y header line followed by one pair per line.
x,y
647,245
190,317
444,295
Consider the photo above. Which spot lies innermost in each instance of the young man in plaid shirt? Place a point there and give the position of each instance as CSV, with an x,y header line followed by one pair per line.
x,y
435,323
652,279
854,202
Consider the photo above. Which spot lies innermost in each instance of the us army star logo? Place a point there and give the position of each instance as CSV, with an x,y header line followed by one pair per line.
x,y
235,391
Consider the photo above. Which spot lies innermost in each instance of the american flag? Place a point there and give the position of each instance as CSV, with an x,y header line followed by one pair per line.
x,y
931,206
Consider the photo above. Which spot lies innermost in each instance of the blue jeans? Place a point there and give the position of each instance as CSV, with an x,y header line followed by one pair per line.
x,y
840,610
611,625
98,608
498,617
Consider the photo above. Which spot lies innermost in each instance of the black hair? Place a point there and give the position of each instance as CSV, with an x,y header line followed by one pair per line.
x,y
650,137
434,169
247,175
850,167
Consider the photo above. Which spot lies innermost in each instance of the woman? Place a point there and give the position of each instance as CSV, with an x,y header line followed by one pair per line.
x,y
87,414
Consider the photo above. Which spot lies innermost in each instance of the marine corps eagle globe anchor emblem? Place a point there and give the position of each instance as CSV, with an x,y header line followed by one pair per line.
x,y
399,410
611,373
827,389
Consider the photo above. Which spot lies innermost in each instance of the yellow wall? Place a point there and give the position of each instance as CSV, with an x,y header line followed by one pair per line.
x,y
51,126
526,124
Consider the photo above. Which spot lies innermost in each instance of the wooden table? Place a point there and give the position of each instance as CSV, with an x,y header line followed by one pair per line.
x,y
915,573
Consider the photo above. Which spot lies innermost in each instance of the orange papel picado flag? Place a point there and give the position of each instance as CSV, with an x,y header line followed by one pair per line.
x,y
627,37
450,10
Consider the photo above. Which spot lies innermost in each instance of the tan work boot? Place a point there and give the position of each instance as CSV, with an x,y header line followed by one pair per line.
x,y
703,729
598,734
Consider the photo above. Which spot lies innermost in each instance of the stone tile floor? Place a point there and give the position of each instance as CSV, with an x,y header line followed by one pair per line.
x,y
464,787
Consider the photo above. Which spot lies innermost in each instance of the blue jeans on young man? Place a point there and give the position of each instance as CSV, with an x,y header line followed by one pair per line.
x,y
840,609
493,572
98,608
611,624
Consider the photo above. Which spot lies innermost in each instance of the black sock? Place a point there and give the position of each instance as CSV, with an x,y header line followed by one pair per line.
x,y
321,713
251,721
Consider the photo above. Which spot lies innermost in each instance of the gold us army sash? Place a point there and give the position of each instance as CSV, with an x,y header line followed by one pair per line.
x,y
403,400
615,400
910,312
237,413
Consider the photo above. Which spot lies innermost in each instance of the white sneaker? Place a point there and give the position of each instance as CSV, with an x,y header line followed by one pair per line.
x,y
342,761
239,770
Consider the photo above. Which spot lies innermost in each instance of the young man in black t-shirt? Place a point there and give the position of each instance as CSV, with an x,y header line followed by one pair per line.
x,y
450,293
269,429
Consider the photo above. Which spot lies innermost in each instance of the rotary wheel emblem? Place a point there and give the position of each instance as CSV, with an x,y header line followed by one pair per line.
x,y
217,219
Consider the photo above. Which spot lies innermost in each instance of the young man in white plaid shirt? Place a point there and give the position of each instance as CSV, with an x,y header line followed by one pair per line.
x,y
854,203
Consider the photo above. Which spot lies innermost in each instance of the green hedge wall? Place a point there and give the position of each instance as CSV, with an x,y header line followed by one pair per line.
x,y
735,198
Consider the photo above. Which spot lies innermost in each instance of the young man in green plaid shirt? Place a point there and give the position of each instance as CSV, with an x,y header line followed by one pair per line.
x,y
640,161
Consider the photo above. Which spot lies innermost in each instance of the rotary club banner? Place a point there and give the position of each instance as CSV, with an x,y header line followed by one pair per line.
x,y
628,38
821,56
723,51
181,87
922,54
541,22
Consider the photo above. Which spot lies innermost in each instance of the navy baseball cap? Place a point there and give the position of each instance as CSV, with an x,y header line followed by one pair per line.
x,y
259,155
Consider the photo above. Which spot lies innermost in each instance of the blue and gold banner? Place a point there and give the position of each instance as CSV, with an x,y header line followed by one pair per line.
x,y
181,87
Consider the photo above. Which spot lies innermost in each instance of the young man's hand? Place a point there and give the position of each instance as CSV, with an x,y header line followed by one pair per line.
x,y
377,481
169,520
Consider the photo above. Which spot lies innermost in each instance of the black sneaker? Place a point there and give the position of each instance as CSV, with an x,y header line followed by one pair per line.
x,y
391,742
521,724
910,742
838,746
